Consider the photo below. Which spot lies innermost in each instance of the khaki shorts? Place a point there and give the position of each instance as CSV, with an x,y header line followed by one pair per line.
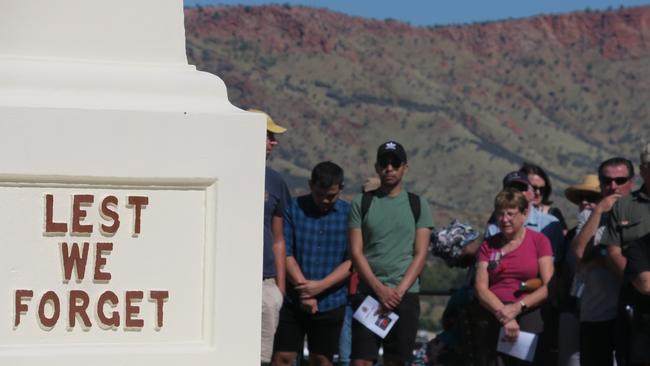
x,y
271,304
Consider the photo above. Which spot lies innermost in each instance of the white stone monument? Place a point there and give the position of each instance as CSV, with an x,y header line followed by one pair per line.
x,y
131,192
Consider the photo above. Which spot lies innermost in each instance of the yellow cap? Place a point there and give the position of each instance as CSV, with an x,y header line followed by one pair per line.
x,y
270,125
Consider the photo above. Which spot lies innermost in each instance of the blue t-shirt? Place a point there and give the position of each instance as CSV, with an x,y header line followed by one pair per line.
x,y
276,201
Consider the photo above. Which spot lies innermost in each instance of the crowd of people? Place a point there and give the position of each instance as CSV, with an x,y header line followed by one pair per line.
x,y
583,292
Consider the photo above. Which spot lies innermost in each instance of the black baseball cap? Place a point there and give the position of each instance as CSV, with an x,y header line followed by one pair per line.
x,y
516,176
391,147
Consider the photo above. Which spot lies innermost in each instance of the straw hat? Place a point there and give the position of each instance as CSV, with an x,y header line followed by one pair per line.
x,y
590,185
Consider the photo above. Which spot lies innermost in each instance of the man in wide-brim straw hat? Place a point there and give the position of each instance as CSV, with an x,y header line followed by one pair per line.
x,y
585,194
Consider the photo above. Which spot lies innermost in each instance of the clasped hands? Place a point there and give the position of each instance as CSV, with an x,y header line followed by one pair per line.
x,y
308,290
508,312
389,297
507,316
511,330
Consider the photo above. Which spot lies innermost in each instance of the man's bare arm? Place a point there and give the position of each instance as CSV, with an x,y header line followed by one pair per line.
x,y
422,237
294,273
311,288
585,237
359,260
616,260
279,252
583,242
383,292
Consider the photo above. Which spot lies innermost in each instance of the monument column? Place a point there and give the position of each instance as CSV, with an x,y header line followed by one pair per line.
x,y
131,192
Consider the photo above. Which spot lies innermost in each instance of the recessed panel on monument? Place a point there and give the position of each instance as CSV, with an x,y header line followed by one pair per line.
x,y
92,264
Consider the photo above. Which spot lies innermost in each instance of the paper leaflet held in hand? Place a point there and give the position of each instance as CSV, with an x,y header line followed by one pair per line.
x,y
523,348
371,316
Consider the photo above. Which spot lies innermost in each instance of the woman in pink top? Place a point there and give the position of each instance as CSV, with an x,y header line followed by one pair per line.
x,y
507,259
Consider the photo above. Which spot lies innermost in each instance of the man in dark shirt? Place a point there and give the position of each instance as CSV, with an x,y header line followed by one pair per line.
x,y
629,221
637,269
636,303
315,230
598,285
276,200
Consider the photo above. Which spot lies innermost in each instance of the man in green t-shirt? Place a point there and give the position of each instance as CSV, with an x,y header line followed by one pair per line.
x,y
388,246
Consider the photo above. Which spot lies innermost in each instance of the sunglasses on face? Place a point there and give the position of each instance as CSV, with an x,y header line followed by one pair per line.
x,y
392,161
590,198
538,188
606,181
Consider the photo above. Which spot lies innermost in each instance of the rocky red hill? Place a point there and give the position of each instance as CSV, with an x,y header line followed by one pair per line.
x,y
470,102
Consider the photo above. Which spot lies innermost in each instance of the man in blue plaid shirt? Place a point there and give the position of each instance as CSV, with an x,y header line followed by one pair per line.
x,y
315,232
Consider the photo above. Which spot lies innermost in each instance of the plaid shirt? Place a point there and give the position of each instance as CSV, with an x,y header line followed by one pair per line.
x,y
319,243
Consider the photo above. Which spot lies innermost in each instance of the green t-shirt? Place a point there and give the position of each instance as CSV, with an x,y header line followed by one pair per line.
x,y
389,236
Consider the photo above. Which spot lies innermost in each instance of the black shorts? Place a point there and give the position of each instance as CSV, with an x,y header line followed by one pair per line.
x,y
400,341
322,330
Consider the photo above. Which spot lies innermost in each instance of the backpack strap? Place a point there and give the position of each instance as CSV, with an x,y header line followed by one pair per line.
x,y
366,200
414,202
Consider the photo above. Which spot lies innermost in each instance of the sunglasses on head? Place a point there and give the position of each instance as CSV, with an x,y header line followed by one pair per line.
x,y
619,180
394,161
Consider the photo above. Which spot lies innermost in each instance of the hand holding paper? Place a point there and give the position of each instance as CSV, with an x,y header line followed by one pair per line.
x,y
373,317
511,330
522,348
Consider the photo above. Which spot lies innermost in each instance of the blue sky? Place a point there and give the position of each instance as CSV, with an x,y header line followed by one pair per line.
x,y
440,12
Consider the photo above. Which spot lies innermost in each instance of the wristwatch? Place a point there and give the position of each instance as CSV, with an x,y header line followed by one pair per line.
x,y
523,305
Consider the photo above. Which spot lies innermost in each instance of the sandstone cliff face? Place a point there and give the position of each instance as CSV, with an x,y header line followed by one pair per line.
x,y
616,35
469,102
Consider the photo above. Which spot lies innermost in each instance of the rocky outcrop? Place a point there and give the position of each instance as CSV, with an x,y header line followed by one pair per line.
x,y
470,102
